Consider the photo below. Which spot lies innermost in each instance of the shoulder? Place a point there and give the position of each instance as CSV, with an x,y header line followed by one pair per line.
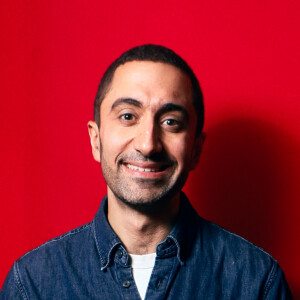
x,y
41,265
213,239
69,239
217,244
237,259
224,263
232,245
57,252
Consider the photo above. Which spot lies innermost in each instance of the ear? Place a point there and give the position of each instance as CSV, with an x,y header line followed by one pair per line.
x,y
197,149
95,141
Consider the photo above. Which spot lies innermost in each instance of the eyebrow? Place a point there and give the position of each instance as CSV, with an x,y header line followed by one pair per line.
x,y
168,107
130,101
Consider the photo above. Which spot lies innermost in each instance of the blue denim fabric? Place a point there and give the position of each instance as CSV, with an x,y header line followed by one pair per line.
x,y
198,260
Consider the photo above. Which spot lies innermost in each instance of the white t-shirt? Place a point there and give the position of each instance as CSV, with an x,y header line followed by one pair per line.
x,y
142,266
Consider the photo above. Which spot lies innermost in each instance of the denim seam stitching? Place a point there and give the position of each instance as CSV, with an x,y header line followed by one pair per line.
x,y
19,284
95,237
98,248
109,255
72,232
178,249
270,280
241,238
169,277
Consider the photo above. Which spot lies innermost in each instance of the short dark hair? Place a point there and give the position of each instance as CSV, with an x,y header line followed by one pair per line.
x,y
155,53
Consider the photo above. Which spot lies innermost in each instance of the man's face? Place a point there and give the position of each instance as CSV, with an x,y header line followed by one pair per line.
x,y
147,133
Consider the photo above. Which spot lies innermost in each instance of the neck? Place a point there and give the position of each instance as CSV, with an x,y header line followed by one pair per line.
x,y
141,231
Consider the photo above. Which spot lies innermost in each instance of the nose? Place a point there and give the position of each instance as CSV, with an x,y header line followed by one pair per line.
x,y
147,140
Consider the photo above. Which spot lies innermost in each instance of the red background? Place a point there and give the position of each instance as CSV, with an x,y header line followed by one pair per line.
x,y
246,56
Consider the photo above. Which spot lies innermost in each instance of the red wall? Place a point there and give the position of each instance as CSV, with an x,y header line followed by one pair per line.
x,y
246,55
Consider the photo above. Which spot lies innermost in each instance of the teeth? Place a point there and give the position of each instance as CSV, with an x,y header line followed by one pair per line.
x,y
141,169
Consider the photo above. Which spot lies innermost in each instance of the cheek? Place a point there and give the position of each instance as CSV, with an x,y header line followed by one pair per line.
x,y
113,140
180,147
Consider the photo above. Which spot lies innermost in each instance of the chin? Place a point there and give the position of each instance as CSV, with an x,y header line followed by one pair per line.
x,y
145,201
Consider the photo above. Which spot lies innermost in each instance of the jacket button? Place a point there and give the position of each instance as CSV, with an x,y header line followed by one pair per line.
x,y
119,253
126,284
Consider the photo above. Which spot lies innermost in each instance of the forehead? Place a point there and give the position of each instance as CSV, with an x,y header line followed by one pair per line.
x,y
149,81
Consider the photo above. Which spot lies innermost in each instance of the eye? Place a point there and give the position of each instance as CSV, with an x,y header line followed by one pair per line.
x,y
172,125
171,122
127,117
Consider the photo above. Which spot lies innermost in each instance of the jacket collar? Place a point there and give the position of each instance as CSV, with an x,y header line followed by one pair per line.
x,y
178,242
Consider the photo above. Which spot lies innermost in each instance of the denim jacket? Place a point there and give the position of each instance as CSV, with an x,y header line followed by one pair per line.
x,y
197,260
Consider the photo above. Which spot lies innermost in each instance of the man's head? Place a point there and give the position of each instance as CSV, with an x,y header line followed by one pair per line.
x,y
154,53
149,137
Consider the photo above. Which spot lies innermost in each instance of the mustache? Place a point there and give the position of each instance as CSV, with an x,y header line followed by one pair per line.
x,y
160,157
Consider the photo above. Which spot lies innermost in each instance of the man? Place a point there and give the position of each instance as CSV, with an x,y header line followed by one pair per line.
x,y
146,241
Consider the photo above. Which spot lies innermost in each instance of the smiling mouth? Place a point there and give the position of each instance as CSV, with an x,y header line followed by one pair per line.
x,y
148,170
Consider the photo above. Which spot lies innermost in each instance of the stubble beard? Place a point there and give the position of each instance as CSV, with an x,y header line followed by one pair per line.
x,y
141,194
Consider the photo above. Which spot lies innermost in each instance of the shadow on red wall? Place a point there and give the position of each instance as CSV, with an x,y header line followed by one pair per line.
x,y
246,182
